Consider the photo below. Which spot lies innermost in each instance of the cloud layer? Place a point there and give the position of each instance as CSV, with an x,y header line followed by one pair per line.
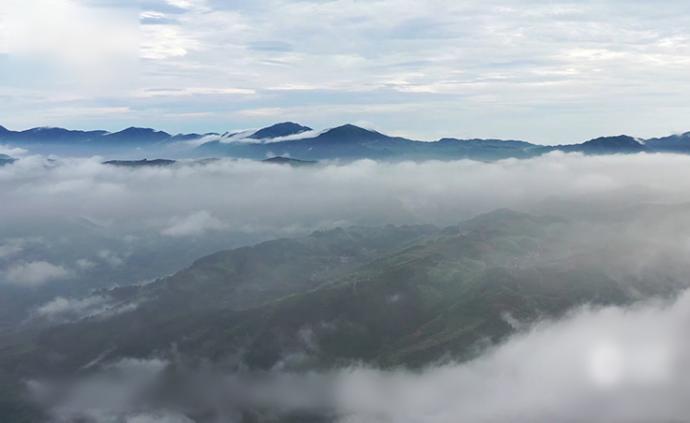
x,y
238,196
612,364
35,273
557,71
80,218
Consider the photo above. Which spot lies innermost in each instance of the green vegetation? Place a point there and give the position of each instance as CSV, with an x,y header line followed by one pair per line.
x,y
391,296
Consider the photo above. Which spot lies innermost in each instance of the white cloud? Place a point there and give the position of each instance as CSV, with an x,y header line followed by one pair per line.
x,y
164,42
85,264
191,91
251,196
66,307
619,363
229,203
108,396
544,71
35,273
62,309
615,364
110,258
195,224
12,151
187,4
95,42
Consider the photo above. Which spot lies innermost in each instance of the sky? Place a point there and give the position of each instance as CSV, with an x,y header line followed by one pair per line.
x,y
543,71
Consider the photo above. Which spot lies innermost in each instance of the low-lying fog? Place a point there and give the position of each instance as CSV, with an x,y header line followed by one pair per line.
x,y
66,217
189,201
74,225
608,365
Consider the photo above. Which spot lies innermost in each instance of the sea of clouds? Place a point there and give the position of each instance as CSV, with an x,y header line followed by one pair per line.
x,y
76,219
65,219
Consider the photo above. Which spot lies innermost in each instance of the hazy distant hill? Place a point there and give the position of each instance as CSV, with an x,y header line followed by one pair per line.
x,y
621,144
140,163
674,143
289,161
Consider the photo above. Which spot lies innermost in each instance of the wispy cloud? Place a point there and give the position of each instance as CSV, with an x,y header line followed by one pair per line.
x,y
195,224
63,309
34,273
472,69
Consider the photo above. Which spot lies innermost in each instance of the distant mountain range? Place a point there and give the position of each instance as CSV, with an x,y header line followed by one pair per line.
x,y
288,139
130,135
140,163
165,162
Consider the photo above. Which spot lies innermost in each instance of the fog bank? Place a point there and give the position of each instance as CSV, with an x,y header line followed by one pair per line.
x,y
610,365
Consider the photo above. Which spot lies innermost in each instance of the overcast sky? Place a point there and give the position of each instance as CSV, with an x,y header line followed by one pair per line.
x,y
544,71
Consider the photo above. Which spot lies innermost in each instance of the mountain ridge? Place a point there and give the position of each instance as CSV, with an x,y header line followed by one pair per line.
x,y
391,295
345,142
278,130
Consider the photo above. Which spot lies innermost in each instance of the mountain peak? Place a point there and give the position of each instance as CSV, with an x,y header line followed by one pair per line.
x,y
135,134
617,142
138,130
351,132
288,161
348,127
48,130
671,143
618,139
608,145
282,129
